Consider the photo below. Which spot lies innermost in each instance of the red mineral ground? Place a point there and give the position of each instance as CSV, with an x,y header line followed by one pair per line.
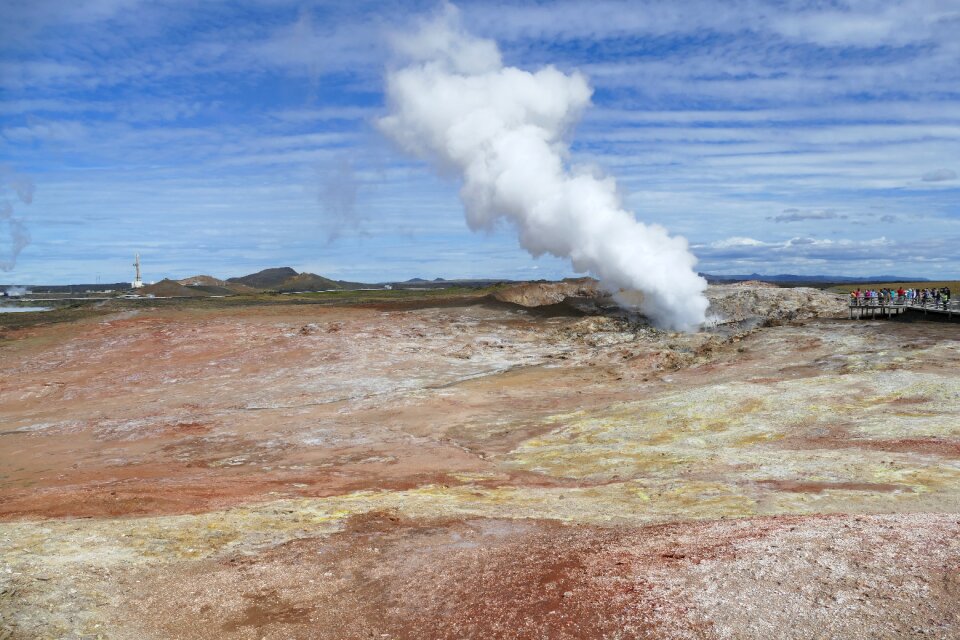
x,y
537,464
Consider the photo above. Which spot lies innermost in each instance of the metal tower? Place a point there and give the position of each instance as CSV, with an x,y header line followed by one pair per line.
x,y
137,283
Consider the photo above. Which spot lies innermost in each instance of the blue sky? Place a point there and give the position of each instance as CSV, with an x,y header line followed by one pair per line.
x,y
226,137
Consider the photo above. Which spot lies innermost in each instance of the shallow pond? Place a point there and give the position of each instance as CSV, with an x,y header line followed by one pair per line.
x,y
22,309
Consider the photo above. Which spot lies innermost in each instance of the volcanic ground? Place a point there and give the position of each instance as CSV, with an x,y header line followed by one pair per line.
x,y
476,468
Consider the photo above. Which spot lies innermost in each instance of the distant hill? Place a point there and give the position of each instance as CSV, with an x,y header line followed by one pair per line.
x,y
266,279
307,282
789,278
203,281
170,288
422,280
285,280
215,286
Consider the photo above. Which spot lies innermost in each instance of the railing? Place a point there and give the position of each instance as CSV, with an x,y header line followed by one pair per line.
x,y
930,304
948,305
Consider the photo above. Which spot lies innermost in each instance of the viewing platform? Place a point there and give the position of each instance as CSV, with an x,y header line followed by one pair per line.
x,y
931,310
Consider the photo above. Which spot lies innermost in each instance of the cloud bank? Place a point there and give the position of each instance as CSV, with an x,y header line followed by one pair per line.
x,y
503,131
715,118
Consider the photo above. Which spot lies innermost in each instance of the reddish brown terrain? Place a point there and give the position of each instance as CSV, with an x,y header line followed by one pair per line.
x,y
480,468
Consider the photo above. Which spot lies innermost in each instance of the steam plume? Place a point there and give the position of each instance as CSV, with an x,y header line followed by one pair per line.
x,y
503,130
338,198
16,292
15,229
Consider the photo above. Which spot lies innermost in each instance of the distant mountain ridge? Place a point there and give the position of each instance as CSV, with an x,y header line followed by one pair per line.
x,y
792,278
287,280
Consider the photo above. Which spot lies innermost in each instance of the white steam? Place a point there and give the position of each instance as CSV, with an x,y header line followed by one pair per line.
x,y
16,292
14,236
503,130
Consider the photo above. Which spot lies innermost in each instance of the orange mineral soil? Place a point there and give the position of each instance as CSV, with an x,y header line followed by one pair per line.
x,y
479,469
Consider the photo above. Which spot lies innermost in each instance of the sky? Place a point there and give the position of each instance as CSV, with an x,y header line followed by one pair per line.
x,y
227,137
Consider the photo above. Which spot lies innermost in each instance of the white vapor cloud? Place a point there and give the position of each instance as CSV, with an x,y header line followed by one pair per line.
x,y
16,231
503,130
338,198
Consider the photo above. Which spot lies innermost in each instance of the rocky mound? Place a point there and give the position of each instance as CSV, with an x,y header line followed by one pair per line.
x,y
540,294
202,281
285,279
215,286
762,304
307,282
756,283
167,288
266,279
750,303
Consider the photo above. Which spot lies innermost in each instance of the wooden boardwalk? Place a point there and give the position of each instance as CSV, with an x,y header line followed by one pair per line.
x,y
931,311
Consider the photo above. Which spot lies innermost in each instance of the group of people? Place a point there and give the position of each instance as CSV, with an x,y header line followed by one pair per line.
x,y
921,297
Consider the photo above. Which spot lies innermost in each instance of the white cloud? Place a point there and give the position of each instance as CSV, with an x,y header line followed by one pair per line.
x,y
737,241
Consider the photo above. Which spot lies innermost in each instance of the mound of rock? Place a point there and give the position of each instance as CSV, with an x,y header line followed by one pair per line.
x,y
765,305
745,303
202,281
540,294
215,286
167,288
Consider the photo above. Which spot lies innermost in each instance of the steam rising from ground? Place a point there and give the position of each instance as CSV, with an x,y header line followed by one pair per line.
x,y
504,130
12,226
338,198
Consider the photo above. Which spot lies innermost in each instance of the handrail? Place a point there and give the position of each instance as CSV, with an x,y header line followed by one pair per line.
x,y
930,304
